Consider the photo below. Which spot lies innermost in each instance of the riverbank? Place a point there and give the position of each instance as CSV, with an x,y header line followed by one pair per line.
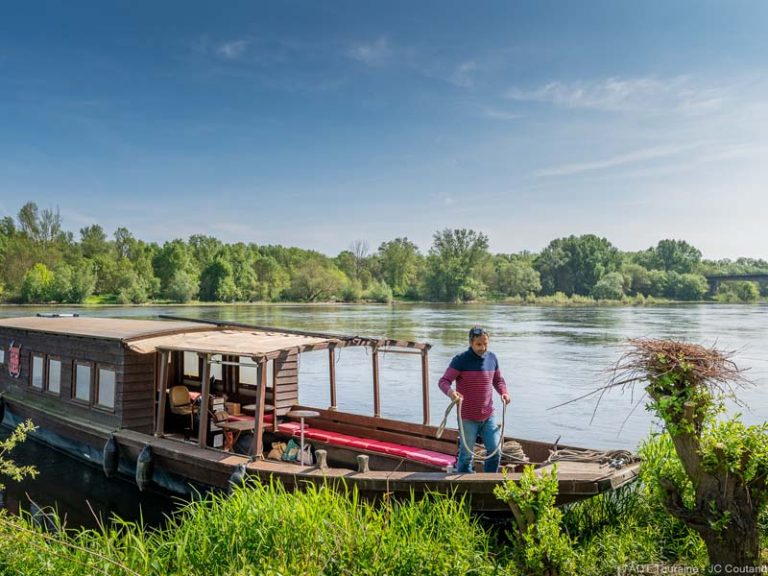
x,y
555,300
262,529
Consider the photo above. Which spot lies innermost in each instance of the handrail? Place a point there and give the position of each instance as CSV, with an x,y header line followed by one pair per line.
x,y
358,340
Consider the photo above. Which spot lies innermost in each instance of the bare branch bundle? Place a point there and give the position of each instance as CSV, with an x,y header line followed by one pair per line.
x,y
674,364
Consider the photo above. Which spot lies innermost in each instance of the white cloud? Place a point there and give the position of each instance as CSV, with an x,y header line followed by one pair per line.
x,y
496,114
462,75
678,94
371,53
232,50
642,155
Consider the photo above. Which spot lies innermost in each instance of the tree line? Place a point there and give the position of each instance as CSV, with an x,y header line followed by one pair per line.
x,y
40,262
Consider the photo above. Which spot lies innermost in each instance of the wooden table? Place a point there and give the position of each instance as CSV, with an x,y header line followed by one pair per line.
x,y
301,414
251,408
236,427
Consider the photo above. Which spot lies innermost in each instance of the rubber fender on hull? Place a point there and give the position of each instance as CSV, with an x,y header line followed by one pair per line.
x,y
110,457
237,478
144,468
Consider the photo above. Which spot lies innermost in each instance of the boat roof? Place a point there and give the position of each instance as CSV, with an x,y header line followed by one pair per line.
x,y
108,328
238,342
147,336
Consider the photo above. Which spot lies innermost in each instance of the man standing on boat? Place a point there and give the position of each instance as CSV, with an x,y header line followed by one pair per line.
x,y
476,372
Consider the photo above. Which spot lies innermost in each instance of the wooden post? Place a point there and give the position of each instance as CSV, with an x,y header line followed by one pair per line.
x,y
163,381
376,391
332,374
258,434
425,385
274,393
204,403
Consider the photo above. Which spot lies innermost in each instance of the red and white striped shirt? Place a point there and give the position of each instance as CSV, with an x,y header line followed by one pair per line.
x,y
474,377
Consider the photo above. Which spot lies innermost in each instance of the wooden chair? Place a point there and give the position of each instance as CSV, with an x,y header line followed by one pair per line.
x,y
180,403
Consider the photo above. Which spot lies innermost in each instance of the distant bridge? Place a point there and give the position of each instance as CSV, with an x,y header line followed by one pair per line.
x,y
715,279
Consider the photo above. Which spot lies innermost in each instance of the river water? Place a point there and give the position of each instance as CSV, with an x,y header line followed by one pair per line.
x,y
548,355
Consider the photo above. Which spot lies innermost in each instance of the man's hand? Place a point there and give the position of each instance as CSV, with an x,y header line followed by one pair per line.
x,y
455,395
505,398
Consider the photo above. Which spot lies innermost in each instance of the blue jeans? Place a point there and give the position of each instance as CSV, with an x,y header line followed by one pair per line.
x,y
490,434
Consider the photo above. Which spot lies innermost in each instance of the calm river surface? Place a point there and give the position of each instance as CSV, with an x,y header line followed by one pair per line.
x,y
548,356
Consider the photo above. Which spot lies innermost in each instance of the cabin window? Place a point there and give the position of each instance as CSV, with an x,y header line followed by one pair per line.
x,y
2,355
105,395
216,371
38,371
54,376
83,381
191,365
250,372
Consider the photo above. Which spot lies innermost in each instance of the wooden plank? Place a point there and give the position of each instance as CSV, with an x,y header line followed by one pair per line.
x,y
440,445
380,423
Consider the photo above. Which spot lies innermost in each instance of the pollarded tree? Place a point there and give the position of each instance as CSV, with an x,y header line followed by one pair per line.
x,y
717,485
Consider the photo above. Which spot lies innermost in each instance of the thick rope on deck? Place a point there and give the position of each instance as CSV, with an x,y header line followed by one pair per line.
x,y
511,451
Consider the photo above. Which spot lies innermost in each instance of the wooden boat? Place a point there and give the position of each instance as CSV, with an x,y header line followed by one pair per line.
x,y
107,391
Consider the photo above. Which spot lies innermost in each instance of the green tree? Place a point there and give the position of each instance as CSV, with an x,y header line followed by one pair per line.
x,y
316,280
217,281
173,258
609,287
8,468
686,286
573,265
738,291
399,264
20,254
83,282
93,242
60,289
37,284
131,287
451,264
271,279
43,227
717,483
182,287
204,250
244,278
676,256
637,279
514,276
345,261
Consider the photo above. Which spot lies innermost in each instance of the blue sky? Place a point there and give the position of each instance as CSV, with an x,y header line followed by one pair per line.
x,y
315,124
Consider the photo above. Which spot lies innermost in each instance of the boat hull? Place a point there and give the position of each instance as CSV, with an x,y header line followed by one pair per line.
x,y
184,467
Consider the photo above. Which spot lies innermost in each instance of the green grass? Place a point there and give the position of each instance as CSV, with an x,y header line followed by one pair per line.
x,y
262,529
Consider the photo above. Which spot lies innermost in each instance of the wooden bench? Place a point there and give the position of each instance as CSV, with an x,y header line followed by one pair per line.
x,y
381,436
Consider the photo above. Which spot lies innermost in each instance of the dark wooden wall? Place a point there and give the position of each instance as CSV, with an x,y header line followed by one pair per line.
x,y
285,391
134,378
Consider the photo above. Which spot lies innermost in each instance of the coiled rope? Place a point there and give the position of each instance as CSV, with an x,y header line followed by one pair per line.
x,y
614,458
497,450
